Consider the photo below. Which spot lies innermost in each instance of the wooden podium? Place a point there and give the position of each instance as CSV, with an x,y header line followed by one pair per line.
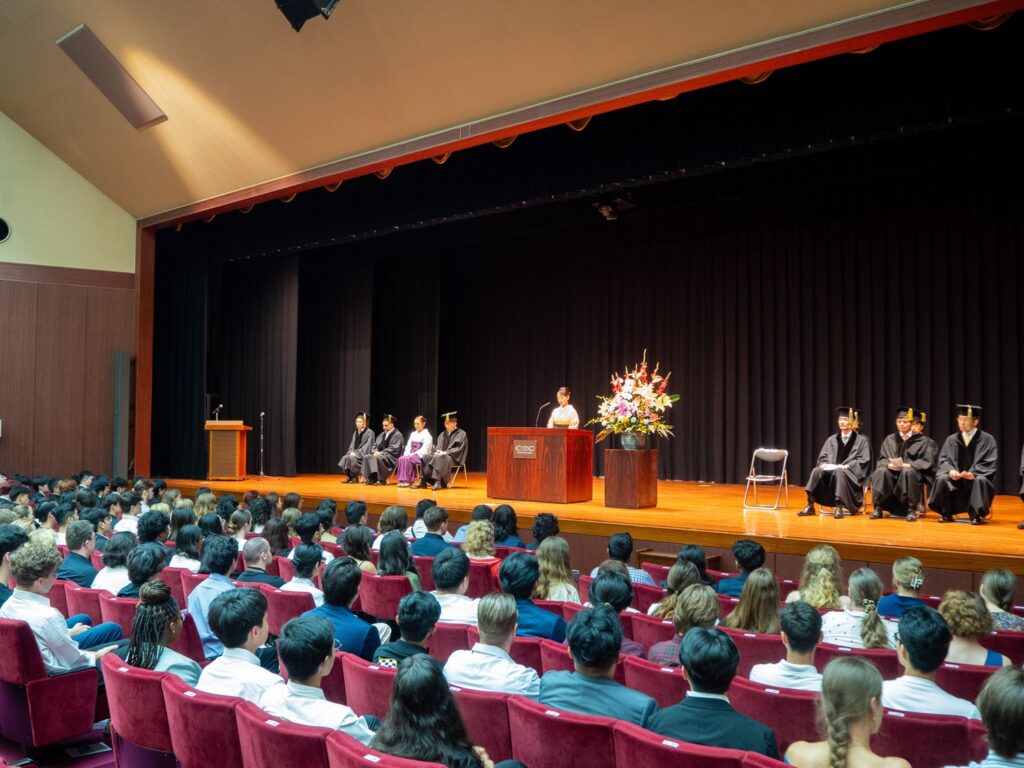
x,y
540,464
630,478
226,456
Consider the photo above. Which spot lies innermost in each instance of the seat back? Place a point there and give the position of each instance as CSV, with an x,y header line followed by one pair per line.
x,y
726,605
786,586
657,572
791,714
97,559
58,596
20,662
172,578
204,726
481,579
486,716
963,680
503,552
1007,643
120,610
269,742
424,565
446,639
286,568
926,741
188,642
769,456
555,656
87,601
638,746
648,630
542,736
755,648
552,606
190,581
136,700
380,595
584,585
285,605
884,659
526,651
666,685
345,752
367,686
644,596
334,684
333,549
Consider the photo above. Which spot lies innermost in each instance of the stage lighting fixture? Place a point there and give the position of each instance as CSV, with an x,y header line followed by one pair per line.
x,y
299,11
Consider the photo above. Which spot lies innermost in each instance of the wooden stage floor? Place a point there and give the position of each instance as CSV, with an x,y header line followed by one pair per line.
x,y
710,515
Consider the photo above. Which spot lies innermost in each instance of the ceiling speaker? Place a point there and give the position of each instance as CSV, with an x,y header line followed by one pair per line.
x,y
5,231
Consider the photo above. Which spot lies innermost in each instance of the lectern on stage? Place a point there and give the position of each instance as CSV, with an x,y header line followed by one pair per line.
x,y
226,458
538,464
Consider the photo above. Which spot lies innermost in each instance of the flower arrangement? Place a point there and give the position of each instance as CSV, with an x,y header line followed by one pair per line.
x,y
637,405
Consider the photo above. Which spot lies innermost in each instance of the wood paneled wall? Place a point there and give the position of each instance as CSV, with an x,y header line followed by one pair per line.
x,y
59,330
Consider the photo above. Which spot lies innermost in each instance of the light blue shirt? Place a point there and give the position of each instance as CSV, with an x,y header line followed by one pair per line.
x,y
199,603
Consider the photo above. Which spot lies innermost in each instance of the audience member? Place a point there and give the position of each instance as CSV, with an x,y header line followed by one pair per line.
x,y
1001,702
417,616
480,512
749,556
921,646
801,633
256,554
259,508
157,625
821,580
239,524
276,534
219,556
12,537
102,524
419,529
758,608
451,580
697,606
65,515
393,518
479,545
969,621
396,560
518,575
180,517
129,504
308,559
144,564
113,576
694,553
556,582
506,527
340,581
545,525
705,716
436,520
306,647
859,625
620,547
615,590
309,531
680,576
355,515
357,545
188,544
595,637
998,587
907,580
77,566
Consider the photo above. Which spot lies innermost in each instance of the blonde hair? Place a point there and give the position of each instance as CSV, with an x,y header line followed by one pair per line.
x,y
479,539
239,519
43,537
24,518
553,558
908,574
160,507
680,576
289,516
697,606
170,497
865,592
966,614
821,578
184,502
848,686
999,587
205,504
758,608
496,617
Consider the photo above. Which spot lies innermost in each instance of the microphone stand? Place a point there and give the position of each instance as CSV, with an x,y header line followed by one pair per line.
x,y
540,410
262,414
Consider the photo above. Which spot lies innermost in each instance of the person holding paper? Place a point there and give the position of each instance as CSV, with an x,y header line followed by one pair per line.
x,y
450,451
904,462
843,466
564,416
967,465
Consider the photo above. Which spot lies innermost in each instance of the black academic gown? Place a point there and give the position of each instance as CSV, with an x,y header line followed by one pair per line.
x,y
895,490
1022,474
841,486
438,467
950,497
388,447
352,462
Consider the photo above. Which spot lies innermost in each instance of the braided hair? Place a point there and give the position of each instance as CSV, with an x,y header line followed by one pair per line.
x,y
156,613
865,592
847,688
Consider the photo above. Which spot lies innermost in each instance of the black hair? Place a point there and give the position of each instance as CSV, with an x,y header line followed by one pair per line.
x,y
202,489
151,525
395,556
86,497
95,516
354,511
180,517
326,518
424,722
292,500
451,566
234,613
44,510
220,553
98,484
159,486
481,512
121,544
157,610
423,505
226,504
694,553
749,555
276,534
418,612
505,522
544,525
187,541
259,508
304,643
612,589
18,490
11,537
710,658
357,542
926,636
305,557
518,574
340,580
211,524
130,499
802,624
64,512
330,504
111,499
146,561
307,526
620,547
595,637
117,482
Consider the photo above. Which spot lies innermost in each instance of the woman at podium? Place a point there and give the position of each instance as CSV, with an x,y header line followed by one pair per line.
x,y
564,416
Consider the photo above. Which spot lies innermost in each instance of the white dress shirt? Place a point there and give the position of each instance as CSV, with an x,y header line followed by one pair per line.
x,y
306,705
60,653
128,523
180,561
298,584
843,628
457,609
489,668
799,677
112,579
915,694
327,557
237,673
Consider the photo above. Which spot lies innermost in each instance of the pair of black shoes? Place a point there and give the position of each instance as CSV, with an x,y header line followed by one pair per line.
x,y
352,479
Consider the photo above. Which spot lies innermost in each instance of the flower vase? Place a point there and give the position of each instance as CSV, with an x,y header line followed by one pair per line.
x,y
633,441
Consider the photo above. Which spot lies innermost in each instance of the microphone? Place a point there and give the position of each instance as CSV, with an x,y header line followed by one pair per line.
x,y
262,414
216,411
539,411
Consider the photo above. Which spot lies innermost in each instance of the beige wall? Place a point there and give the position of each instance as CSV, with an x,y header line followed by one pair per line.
x,y
57,218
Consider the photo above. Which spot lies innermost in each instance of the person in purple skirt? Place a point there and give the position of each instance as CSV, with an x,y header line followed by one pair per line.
x,y
416,447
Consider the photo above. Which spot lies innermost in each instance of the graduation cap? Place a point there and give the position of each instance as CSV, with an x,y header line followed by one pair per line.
x,y
969,410
905,412
450,416
849,412
388,417
920,416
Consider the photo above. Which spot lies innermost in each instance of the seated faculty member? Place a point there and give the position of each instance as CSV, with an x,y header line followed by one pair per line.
x,y
904,464
417,447
842,468
360,445
382,458
449,452
966,469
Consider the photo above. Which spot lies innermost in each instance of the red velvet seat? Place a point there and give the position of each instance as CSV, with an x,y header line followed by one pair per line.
x,y
626,622
202,726
97,559
138,716
757,760
963,680
446,639
791,714
552,606
87,601
926,741
755,648
786,586
657,572
1009,644
569,611
885,660
644,596
555,656
188,642
726,605
120,610
380,595
481,580
424,566
486,716
584,586
638,746
283,606
272,742
286,568
58,596
666,685
345,752
367,686
334,684
503,552
648,630
333,549
37,710
172,578
190,581
542,736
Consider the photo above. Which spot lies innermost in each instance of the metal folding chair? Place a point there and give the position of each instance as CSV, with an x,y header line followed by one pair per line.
x,y
755,478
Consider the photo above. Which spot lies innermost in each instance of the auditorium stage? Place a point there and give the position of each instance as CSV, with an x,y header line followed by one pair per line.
x,y
710,515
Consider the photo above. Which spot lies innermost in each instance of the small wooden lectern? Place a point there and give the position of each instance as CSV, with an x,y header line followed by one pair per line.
x,y
226,458
631,478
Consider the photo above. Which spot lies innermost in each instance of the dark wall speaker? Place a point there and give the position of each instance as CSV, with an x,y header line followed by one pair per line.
x,y
5,230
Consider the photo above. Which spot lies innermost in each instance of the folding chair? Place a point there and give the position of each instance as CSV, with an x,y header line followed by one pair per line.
x,y
756,478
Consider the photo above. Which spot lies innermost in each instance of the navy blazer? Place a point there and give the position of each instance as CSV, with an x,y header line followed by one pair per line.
x,y
732,587
714,723
431,545
537,622
351,634
77,569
